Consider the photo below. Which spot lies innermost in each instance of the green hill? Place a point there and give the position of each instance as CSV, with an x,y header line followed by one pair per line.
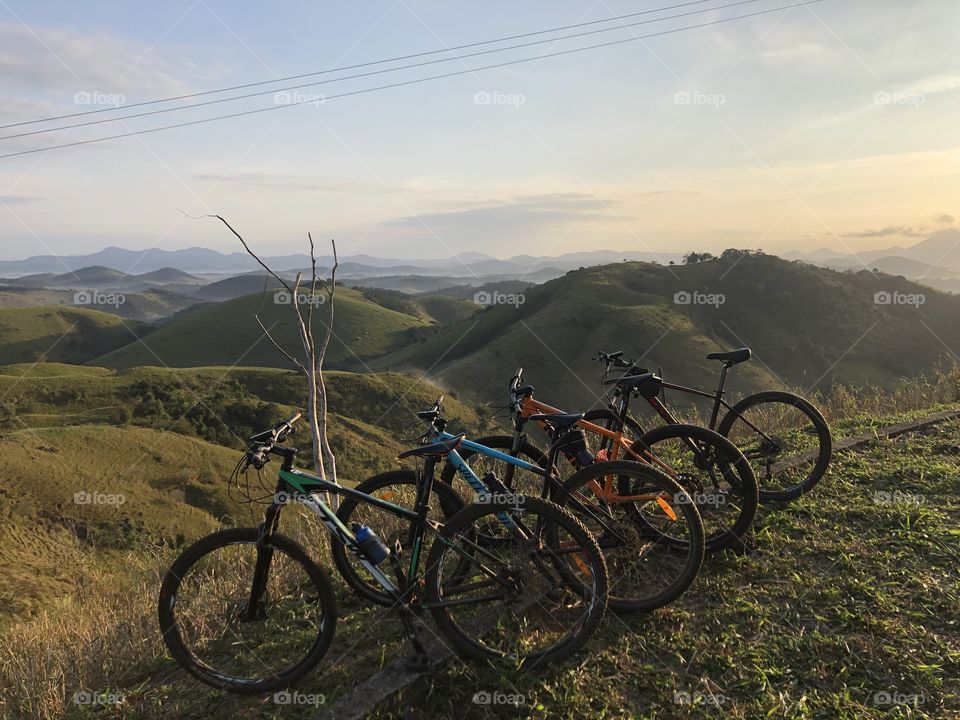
x,y
227,334
71,491
806,325
61,334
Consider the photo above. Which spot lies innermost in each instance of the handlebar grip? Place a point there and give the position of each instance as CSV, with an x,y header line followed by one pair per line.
x,y
293,418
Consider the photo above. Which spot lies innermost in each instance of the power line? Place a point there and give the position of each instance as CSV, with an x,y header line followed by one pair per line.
x,y
409,82
370,73
352,67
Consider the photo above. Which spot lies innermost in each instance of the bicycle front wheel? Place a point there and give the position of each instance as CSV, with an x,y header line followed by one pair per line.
x,y
715,475
785,439
534,597
205,617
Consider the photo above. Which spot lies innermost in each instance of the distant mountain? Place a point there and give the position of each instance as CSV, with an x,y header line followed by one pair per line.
x,y
105,279
892,265
202,260
941,251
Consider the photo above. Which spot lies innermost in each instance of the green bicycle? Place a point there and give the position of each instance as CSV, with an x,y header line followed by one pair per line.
x,y
248,611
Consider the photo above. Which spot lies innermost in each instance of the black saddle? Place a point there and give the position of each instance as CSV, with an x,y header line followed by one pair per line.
x,y
647,384
439,449
560,420
733,357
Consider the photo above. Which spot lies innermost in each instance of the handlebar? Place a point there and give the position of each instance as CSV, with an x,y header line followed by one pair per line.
x,y
261,444
614,358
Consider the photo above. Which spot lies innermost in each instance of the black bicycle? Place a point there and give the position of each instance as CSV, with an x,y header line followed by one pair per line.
x,y
247,610
784,437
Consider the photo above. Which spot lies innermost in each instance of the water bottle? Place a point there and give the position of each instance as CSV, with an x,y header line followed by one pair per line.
x,y
371,545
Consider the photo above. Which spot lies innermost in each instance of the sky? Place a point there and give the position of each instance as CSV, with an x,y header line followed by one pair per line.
x,y
824,125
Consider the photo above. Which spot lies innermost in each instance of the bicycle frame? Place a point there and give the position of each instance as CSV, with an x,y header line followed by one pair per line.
x,y
304,485
606,492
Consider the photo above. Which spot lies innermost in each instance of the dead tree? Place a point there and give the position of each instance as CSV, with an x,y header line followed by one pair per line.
x,y
311,366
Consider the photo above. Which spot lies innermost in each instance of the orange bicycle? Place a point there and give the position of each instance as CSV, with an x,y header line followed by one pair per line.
x,y
714,474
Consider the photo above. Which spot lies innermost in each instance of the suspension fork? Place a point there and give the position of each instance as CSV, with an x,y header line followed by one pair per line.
x,y
271,521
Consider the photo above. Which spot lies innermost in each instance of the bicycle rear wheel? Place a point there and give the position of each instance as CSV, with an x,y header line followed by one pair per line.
x,y
785,439
652,541
204,619
534,597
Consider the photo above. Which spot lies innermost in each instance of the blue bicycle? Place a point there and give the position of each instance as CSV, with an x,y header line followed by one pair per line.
x,y
650,532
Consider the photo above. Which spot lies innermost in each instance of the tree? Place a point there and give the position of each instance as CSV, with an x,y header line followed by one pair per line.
x,y
311,363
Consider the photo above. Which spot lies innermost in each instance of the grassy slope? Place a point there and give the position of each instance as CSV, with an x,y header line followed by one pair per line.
x,y
151,304
226,334
803,323
172,486
61,334
843,597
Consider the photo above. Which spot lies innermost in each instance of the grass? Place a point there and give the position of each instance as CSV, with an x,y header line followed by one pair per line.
x,y
61,334
227,334
850,592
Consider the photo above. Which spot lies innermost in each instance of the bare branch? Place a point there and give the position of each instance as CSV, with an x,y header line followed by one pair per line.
x,y
291,358
250,252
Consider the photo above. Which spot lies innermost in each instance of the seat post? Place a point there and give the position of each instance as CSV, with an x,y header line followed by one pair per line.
x,y
719,396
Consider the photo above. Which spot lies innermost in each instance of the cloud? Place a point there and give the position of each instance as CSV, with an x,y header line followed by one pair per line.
x,y
944,219
269,180
521,212
16,200
889,231
63,61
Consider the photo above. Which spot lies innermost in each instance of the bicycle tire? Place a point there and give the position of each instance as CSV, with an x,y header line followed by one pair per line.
x,y
187,659
824,437
469,647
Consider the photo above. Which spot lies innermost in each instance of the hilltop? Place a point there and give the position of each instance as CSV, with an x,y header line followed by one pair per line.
x,y
807,325
227,334
62,334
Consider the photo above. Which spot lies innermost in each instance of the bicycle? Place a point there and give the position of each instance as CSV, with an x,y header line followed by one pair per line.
x,y
715,475
653,543
248,611
784,437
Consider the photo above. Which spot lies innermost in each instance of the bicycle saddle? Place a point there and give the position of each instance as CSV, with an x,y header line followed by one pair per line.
x,y
561,420
733,357
438,449
647,384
